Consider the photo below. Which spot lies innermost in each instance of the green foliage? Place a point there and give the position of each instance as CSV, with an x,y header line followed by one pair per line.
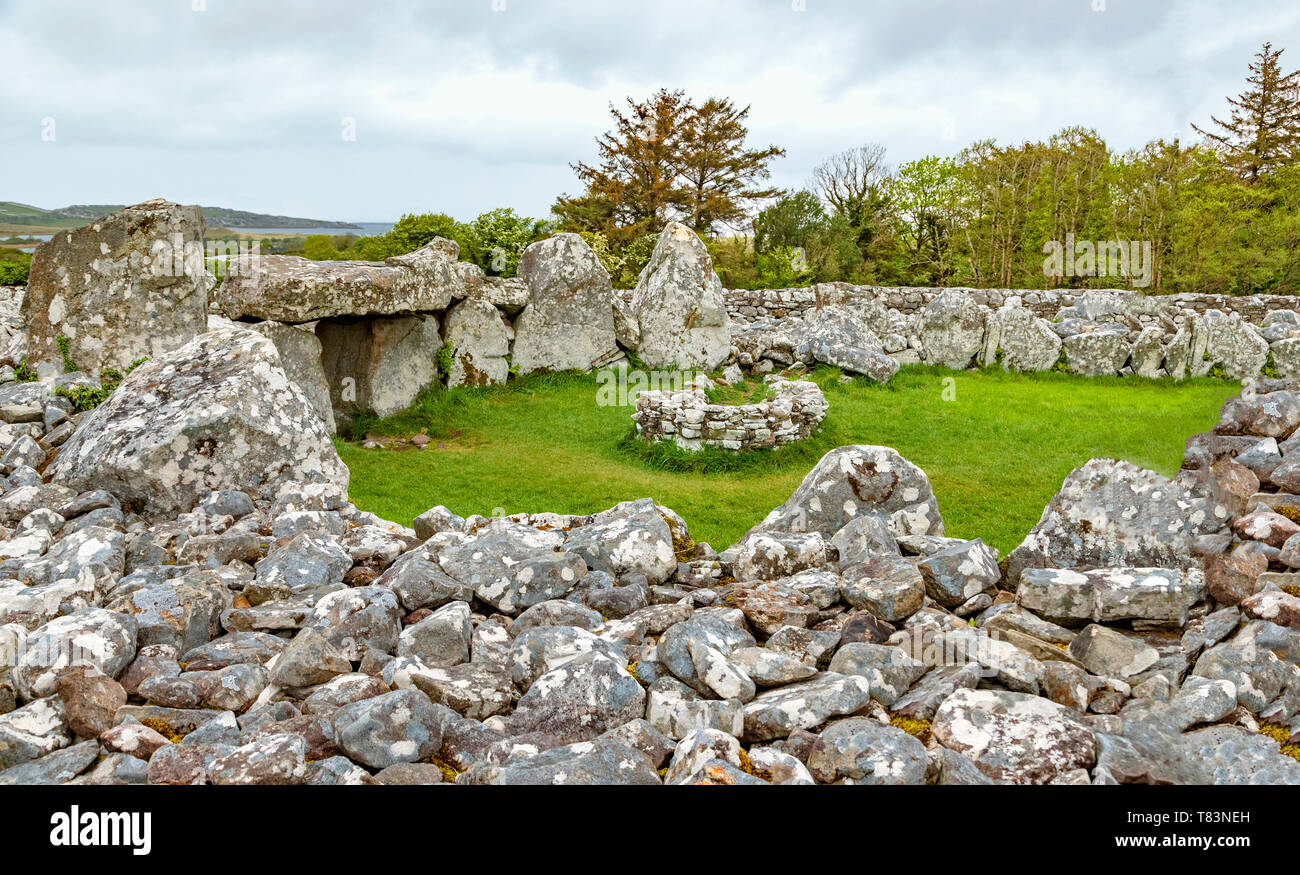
x,y
68,364
446,357
85,398
495,240
15,265
751,392
25,373
541,443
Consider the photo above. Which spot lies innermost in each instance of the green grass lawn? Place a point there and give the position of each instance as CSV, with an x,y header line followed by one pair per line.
x,y
995,452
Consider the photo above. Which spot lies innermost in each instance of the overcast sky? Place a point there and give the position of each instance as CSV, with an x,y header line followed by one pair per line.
x,y
463,106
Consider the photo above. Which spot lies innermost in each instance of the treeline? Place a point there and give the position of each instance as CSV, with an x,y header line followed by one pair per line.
x,y
1220,215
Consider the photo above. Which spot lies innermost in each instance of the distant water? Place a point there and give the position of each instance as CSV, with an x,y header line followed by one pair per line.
x,y
367,229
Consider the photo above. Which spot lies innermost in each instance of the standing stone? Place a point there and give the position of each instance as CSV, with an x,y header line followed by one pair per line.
x,y
301,359
480,343
1027,343
1148,352
218,413
1098,352
1286,357
1233,343
679,307
952,329
569,321
128,286
378,364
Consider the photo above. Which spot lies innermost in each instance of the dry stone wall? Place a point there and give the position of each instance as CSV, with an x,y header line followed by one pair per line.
x,y
690,420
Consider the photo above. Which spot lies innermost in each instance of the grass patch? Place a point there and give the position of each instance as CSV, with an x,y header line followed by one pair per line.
x,y
995,452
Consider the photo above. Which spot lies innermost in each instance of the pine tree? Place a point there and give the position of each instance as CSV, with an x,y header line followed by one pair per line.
x,y
1263,132
717,171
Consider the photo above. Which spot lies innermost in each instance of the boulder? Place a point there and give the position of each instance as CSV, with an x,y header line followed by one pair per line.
x,y
679,307
1233,343
218,413
1104,595
1149,352
300,356
130,285
1025,341
480,344
837,337
1013,737
287,288
952,329
569,321
1111,513
378,364
855,480
1099,350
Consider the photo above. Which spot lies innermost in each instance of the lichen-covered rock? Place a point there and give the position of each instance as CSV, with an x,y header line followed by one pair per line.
x,y
480,344
633,537
512,566
1106,595
862,751
851,481
569,321
955,574
1013,737
1099,351
952,329
300,356
127,286
398,727
778,712
287,288
378,364
1026,342
218,413
1111,513
1233,343
32,731
102,639
604,761
581,699
837,337
679,307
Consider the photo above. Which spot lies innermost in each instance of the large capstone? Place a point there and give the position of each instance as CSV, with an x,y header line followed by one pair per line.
x,y
287,288
218,413
378,364
569,321
128,286
679,307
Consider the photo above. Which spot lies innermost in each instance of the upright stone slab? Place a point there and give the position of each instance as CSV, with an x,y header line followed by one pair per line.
x,y
569,321
480,343
679,307
1024,341
218,413
301,359
378,364
952,329
127,286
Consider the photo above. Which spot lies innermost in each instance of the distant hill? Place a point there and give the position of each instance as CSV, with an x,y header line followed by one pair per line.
x,y
20,218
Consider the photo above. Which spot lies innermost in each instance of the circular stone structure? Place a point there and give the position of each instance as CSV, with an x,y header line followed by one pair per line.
x,y
690,420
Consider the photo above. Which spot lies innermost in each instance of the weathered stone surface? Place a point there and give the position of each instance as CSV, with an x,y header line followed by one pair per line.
x,y
300,356
777,713
599,762
286,288
128,286
889,670
1099,352
480,342
1109,594
633,537
102,639
890,587
861,751
1013,737
1110,513
957,573
378,364
679,307
569,321
836,337
398,727
1026,342
578,701
1233,343
1110,653
854,480
952,329
217,413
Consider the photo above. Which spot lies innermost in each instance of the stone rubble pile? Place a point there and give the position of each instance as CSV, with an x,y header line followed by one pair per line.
x,y
187,596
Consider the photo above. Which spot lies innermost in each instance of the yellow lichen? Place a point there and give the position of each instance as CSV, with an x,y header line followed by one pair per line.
x,y
918,728
449,772
163,728
1282,735
747,766
1290,512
